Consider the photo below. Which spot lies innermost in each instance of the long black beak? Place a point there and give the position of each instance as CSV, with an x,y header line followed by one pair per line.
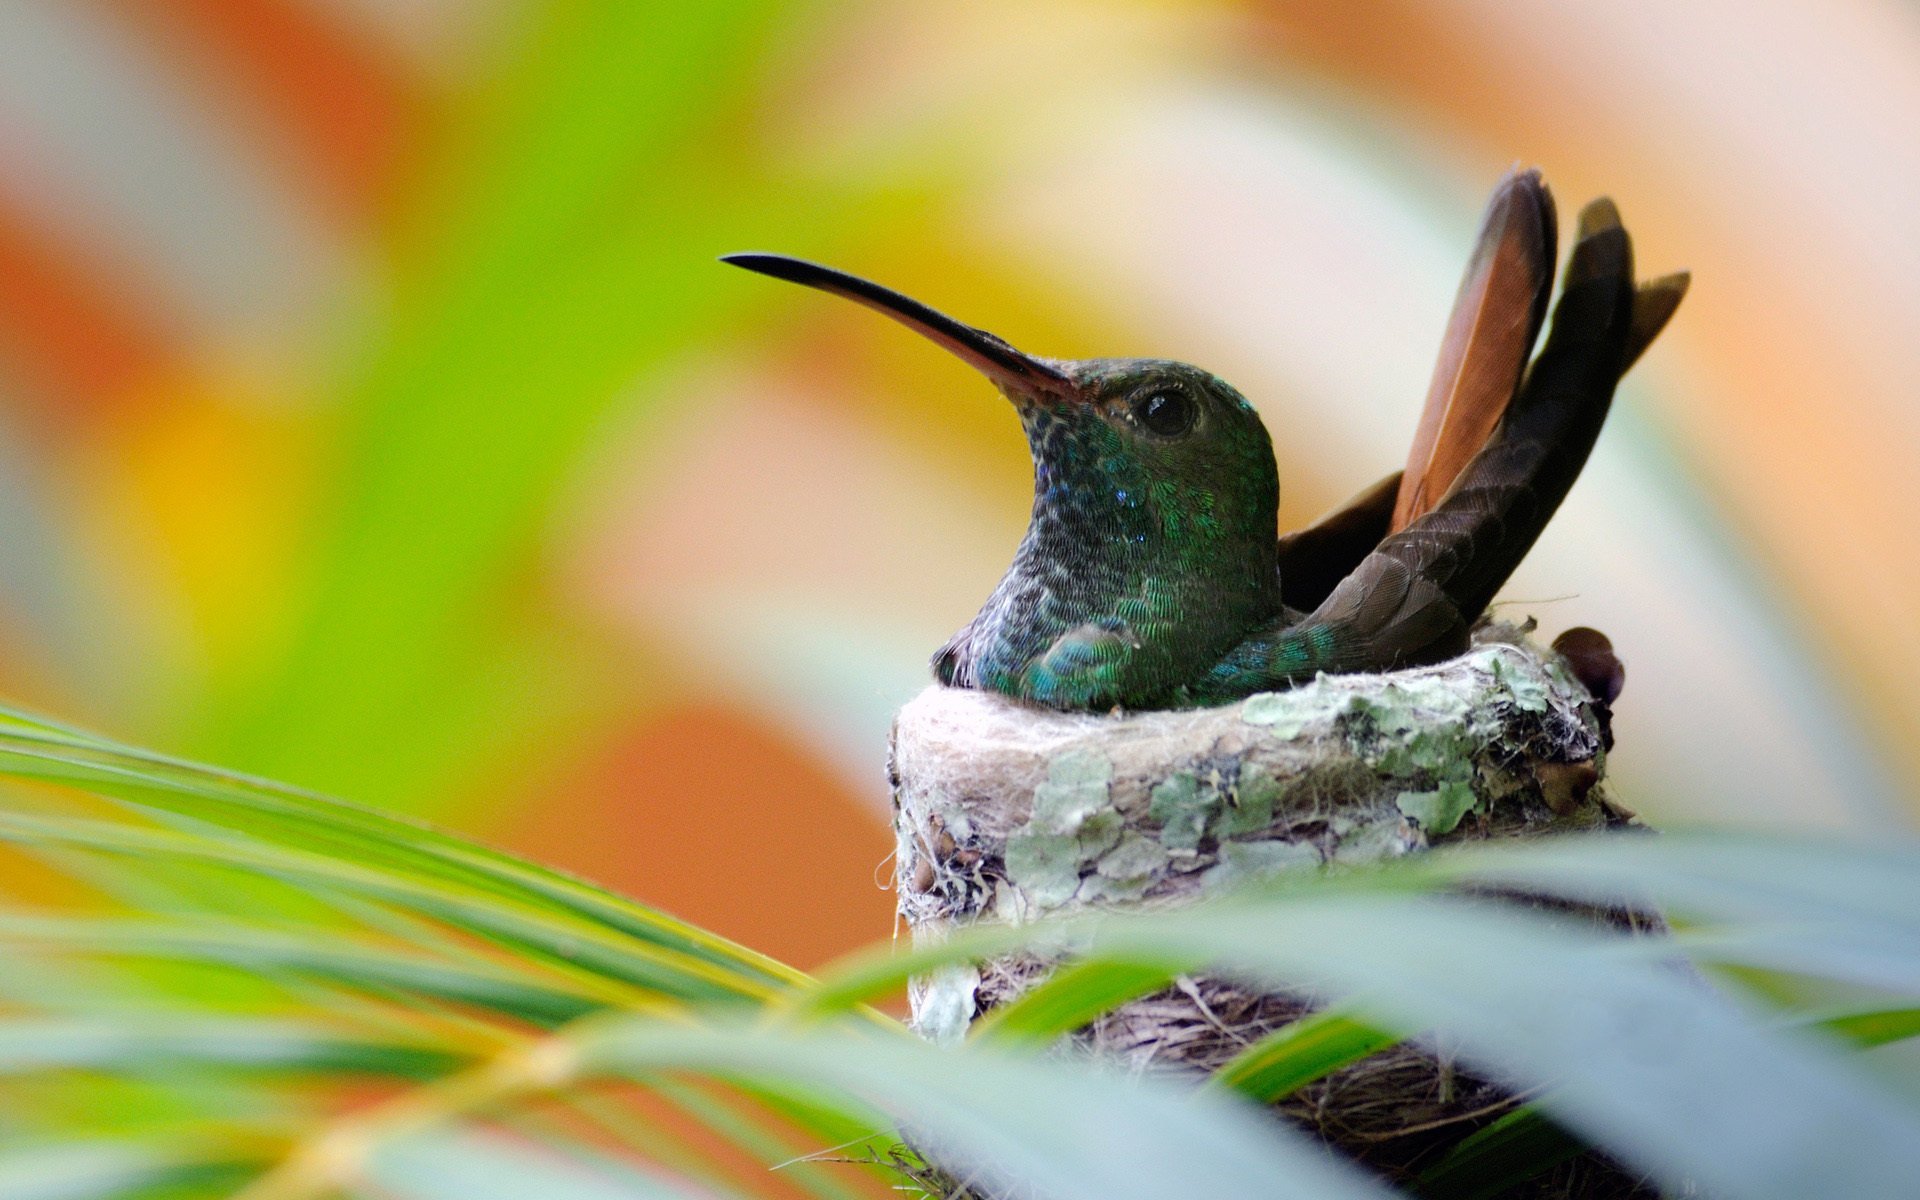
x,y
987,353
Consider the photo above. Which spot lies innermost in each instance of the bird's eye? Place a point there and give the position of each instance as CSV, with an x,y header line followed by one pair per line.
x,y
1168,414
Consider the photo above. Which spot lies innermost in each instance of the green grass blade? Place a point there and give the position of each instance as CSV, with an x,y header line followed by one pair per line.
x,y
1659,1070
834,1129
267,811
472,1165
1748,877
575,946
1300,1052
1524,1144
1643,1061
122,1167
278,1047
1059,1128
1838,950
1873,1027
328,957
1064,1129
1519,1146
881,969
755,1138
1067,1000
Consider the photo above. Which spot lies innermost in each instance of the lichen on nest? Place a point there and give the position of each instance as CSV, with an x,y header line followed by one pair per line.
x,y
1006,811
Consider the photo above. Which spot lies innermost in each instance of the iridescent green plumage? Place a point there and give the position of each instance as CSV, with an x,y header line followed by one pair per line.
x,y
1151,574
1146,553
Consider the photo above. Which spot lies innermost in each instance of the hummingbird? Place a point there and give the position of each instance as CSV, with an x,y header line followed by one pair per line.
x,y
1152,573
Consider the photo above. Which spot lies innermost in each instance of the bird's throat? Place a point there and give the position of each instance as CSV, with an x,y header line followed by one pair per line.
x,y
1127,583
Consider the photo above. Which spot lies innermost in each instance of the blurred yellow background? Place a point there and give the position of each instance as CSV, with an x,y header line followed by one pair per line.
x,y
373,414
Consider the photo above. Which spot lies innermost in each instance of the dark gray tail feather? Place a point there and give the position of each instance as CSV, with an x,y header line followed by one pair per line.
x,y
1414,598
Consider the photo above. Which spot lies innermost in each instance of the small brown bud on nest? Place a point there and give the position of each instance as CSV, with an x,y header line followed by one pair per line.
x,y
1589,654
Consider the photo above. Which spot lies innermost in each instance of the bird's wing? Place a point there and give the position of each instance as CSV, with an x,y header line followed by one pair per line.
x,y
1314,559
1413,598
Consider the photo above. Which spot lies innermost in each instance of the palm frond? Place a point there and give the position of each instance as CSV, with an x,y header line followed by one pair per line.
x,y
322,1000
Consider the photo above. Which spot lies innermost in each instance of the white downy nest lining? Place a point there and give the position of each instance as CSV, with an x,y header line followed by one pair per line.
x,y
1005,812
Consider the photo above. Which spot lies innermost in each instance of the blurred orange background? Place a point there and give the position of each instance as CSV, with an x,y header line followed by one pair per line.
x,y
373,414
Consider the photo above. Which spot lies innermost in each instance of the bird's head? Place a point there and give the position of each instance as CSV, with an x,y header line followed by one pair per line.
x,y
1161,456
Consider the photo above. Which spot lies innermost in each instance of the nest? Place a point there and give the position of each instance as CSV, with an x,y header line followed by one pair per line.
x,y
1004,812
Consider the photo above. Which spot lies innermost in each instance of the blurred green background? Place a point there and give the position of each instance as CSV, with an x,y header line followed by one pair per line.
x,y
373,414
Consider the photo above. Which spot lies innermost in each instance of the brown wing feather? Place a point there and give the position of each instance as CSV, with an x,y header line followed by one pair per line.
x,y
1496,316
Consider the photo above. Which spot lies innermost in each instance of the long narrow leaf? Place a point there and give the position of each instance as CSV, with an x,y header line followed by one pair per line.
x,y
335,959
1069,999
1871,886
268,811
106,1170
1524,1144
754,1136
477,1166
278,1046
1643,1061
578,945
1300,1052
1065,1131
